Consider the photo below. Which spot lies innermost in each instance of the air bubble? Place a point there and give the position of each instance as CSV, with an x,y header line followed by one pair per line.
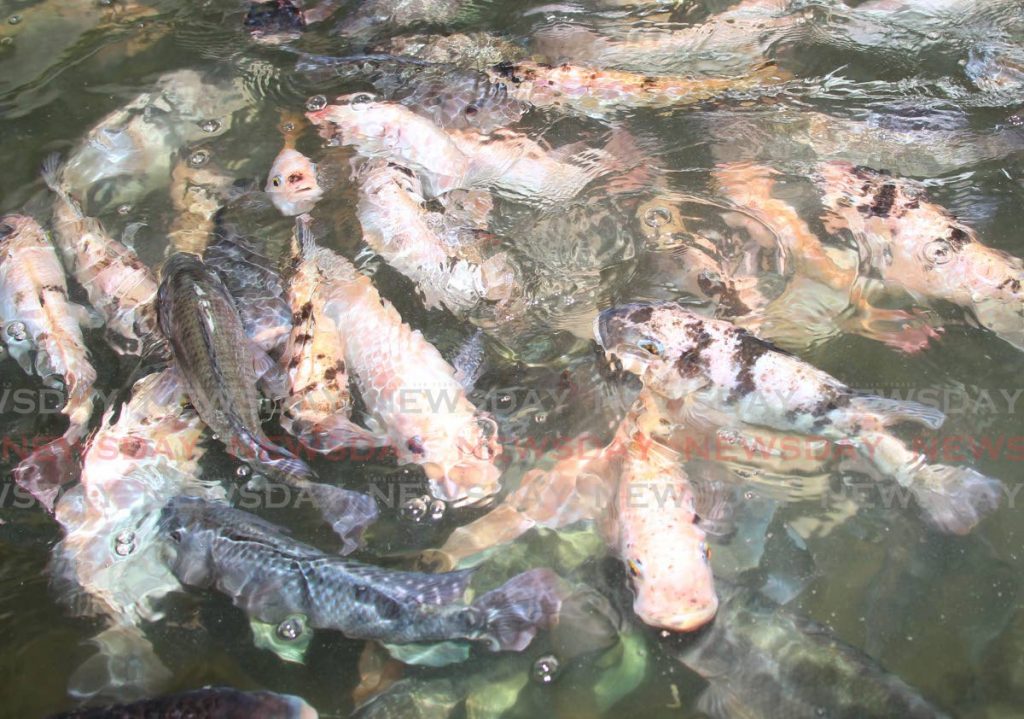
x,y
657,217
437,510
199,158
17,331
416,509
290,629
124,209
316,103
14,19
243,471
209,125
545,669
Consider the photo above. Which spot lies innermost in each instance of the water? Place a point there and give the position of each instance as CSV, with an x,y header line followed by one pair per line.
x,y
907,93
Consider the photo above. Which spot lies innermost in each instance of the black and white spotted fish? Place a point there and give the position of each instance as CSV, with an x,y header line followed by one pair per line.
x,y
742,379
42,331
273,577
919,246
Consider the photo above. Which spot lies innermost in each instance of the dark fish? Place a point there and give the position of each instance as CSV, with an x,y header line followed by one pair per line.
x,y
209,703
762,662
273,577
252,276
220,369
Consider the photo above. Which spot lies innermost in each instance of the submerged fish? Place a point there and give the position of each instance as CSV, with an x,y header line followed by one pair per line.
x,y
416,243
762,661
412,396
273,577
597,93
250,271
506,161
665,551
109,562
119,286
746,381
916,245
199,189
42,331
318,403
220,369
208,703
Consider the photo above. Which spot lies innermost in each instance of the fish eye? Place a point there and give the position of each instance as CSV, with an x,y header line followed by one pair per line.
x,y
276,182
415,445
360,101
634,567
938,252
705,551
5,230
650,346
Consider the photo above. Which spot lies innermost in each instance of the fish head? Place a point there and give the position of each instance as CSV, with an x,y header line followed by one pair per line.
x,y
274,22
15,226
460,461
292,185
651,340
359,119
673,586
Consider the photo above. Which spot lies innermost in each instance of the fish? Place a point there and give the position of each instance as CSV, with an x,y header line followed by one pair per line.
x,y
131,151
42,331
600,93
506,161
109,563
762,660
318,404
664,549
374,16
415,242
118,284
220,368
411,394
247,265
273,577
678,354
292,183
276,22
911,243
199,189
206,703
475,50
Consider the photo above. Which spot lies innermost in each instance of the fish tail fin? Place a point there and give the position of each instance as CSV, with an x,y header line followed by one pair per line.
x,y
53,173
46,470
124,666
955,499
349,513
335,433
894,411
304,236
521,607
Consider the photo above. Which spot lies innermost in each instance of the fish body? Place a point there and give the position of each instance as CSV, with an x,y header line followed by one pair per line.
x,y
273,577
665,551
198,191
207,703
681,355
252,277
411,393
42,331
318,405
912,243
119,286
220,369
506,161
597,92
415,242
761,660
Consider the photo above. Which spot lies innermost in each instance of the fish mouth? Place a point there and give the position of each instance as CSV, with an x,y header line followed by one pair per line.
x,y
687,621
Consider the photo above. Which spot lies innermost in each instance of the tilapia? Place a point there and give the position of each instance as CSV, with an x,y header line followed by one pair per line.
x,y
119,286
748,382
292,182
599,93
416,243
251,273
130,151
273,577
207,703
317,407
508,162
411,393
477,50
199,189
109,562
763,661
665,551
220,369
42,331
914,244
277,21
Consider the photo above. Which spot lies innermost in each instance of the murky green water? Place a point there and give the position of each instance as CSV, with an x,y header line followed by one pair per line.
x,y
944,613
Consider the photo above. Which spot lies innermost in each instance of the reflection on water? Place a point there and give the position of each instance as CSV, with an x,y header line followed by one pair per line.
x,y
728,205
